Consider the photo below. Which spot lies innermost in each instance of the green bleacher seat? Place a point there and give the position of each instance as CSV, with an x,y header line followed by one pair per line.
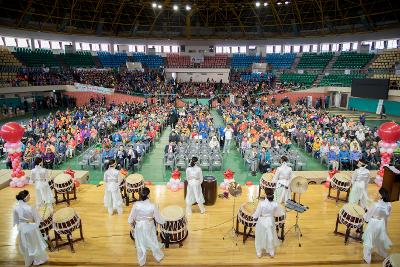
x,y
314,60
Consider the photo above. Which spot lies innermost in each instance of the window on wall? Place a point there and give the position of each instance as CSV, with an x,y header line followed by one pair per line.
x,y
104,47
36,42
242,49
296,49
167,49
346,47
235,50
22,42
325,47
157,48
392,43
63,44
95,47
226,49
55,45
45,44
131,48
335,47
175,49
278,48
78,46
10,41
354,46
1,41
287,49
270,49
140,48
85,46
306,48
314,48
380,45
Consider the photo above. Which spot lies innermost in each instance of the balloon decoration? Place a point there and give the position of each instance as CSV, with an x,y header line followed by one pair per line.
x,y
175,183
228,178
12,133
389,132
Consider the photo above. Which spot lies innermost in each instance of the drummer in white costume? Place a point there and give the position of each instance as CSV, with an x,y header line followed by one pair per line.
x,y
194,177
141,217
31,243
283,176
39,176
265,235
375,237
359,190
112,196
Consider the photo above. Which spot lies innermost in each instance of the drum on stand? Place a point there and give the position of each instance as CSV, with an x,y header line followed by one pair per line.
x,y
392,261
46,224
174,230
280,223
244,218
352,216
266,182
341,182
65,221
210,189
134,183
63,184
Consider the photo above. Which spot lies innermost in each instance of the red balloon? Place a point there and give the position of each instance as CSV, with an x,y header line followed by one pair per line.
x,y
12,132
249,183
389,132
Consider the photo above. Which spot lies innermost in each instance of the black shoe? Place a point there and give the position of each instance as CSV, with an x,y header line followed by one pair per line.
x,y
253,173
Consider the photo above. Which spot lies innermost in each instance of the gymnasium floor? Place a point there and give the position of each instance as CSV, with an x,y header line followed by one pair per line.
x,y
107,241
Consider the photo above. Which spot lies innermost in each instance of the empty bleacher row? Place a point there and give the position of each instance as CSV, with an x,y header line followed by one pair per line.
x,y
36,58
352,60
280,61
386,60
341,80
314,60
109,60
305,79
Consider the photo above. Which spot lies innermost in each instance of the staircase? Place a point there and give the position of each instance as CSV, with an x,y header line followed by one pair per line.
x,y
295,62
97,62
61,60
328,69
366,67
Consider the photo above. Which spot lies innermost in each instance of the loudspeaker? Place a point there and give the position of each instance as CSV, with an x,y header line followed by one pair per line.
x,y
211,49
391,182
183,48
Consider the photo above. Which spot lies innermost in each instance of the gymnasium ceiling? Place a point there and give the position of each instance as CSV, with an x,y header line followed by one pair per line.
x,y
201,19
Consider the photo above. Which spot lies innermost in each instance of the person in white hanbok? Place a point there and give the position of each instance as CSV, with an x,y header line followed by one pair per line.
x,y
194,177
375,237
39,176
266,237
142,218
359,190
112,196
283,176
31,242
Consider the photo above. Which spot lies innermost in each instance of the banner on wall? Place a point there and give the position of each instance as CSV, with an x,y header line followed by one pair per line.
x,y
79,87
197,58
379,106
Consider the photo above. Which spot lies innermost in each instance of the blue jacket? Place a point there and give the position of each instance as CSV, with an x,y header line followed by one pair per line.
x,y
344,155
267,157
332,156
355,155
108,154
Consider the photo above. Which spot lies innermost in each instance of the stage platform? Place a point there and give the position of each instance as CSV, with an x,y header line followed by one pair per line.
x,y
107,241
5,176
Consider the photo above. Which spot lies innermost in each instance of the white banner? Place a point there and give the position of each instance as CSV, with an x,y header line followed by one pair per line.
x,y
91,88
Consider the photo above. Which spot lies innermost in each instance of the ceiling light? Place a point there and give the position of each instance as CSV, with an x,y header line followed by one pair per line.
x,y
279,3
266,4
258,4
187,7
154,5
287,2
159,6
175,7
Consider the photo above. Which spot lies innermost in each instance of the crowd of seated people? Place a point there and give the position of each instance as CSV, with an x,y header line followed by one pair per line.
x,y
193,134
65,134
263,131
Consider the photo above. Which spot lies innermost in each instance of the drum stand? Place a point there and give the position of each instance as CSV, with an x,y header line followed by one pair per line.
x,y
296,226
65,199
337,197
231,233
